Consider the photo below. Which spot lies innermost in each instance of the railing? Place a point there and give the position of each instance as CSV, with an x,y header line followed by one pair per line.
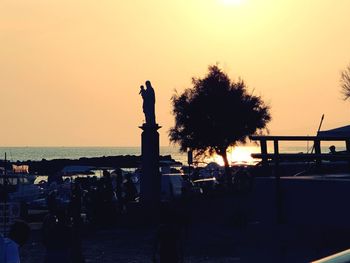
x,y
317,156
277,157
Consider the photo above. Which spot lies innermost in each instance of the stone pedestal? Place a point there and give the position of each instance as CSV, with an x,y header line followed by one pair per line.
x,y
150,177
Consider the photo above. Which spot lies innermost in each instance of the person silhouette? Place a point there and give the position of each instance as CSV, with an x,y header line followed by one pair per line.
x,y
168,243
332,149
149,100
57,237
18,236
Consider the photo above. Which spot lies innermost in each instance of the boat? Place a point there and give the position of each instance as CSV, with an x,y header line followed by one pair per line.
x,y
19,184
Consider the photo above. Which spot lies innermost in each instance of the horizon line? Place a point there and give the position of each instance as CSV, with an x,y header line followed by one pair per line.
x,y
75,146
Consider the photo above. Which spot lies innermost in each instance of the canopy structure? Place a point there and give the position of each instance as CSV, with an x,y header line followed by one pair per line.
x,y
337,132
77,169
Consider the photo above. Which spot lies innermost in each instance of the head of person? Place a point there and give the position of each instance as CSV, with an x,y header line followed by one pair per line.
x,y
332,149
19,232
117,172
106,174
148,84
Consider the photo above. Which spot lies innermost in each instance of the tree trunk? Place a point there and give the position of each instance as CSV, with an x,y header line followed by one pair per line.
x,y
228,178
224,157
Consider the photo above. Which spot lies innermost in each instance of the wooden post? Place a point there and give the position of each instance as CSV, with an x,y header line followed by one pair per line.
x,y
279,204
275,147
263,146
317,145
347,142
276,156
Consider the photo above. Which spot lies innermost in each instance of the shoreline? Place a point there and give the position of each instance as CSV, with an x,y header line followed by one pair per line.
x,y
54,166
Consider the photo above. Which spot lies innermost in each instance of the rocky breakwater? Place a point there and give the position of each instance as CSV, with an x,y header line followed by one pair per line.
x,y
54,166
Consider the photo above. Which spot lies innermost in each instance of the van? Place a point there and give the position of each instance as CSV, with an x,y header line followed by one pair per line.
x,y
171,186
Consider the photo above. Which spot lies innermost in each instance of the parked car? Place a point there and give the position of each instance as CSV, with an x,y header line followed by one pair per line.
x,y
208,185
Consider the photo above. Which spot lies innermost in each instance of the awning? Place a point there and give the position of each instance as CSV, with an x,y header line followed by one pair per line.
x,y
77,169
337,132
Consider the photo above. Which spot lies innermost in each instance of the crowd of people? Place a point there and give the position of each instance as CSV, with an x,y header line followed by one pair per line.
x,y
98,202
100,199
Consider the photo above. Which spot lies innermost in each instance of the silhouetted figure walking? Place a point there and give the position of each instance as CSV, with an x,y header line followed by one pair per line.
x,y
119,189
75,211
75,204
57,238
129,189
169,238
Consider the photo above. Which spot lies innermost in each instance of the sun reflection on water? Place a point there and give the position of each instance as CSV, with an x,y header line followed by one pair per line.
x,y
236,155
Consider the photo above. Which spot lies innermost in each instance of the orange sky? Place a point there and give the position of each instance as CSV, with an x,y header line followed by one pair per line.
x,y
70,71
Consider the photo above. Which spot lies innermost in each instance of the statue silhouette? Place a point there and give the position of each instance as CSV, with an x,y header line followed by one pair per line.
x,y
149,100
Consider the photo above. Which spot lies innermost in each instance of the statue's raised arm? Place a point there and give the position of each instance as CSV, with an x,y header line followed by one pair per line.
x,y
149,101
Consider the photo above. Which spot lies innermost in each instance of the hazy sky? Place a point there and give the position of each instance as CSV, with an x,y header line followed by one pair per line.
x,y
70,70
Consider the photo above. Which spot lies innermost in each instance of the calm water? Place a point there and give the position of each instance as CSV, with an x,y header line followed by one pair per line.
x,y
241,153
49,153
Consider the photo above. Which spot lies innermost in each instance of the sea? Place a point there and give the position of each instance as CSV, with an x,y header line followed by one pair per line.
x,y
49,153
239,153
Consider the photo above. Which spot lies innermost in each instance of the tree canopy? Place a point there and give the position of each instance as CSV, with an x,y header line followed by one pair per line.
x,y
216,113
345,82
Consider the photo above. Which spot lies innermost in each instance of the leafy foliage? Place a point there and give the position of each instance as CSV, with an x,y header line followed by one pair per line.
x,y
345,83
216,113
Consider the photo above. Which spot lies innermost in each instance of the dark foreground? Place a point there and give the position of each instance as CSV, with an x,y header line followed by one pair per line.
x,y
216,233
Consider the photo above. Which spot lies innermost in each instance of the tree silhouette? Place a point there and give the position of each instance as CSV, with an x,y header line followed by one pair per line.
x,y
345,83
216,113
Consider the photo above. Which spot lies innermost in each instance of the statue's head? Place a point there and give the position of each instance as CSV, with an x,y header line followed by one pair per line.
x,y
148,84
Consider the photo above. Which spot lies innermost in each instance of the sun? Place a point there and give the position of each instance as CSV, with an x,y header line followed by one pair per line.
x,y
232,2
236,156
241,154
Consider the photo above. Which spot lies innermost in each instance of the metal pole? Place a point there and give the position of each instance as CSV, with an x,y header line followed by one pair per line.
x,y
319,128
189,161
5,195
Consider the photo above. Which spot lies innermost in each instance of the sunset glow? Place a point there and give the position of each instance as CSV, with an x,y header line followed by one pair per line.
x,y
242,154
232,2
114,109
237,155
70,71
